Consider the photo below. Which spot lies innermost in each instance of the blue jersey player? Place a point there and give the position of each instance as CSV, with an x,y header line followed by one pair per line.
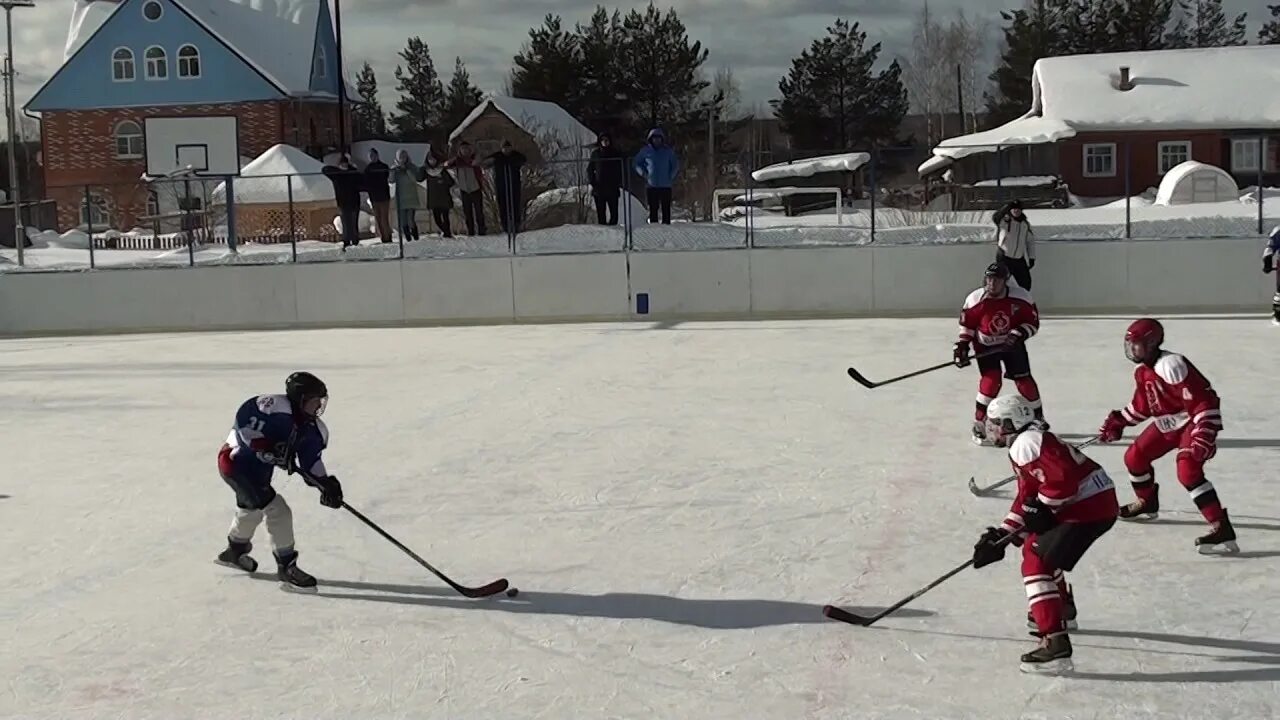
x,y
276,431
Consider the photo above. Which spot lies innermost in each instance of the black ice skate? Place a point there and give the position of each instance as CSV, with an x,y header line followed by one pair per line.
x,y
1141,510
237,556
1068,615
1052,657
1221,540
291,576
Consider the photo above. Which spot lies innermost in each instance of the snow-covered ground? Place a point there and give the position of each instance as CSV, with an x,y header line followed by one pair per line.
x,y
674,533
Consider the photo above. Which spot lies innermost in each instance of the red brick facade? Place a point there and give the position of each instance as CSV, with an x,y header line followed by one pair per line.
x,y
1142,152
79,149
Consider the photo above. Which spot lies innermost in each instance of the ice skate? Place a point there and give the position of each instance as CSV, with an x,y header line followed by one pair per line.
x,y
1068,615
293,578
1219,541
1052,657
1141,510
1275,321
236,555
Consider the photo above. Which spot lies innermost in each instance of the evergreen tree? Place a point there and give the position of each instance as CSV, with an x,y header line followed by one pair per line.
x,y
833,98
1203,24
1029,35
1269,33
460,98
421,94
1086,26
600,82
370,119
1141,24
548,67
660,76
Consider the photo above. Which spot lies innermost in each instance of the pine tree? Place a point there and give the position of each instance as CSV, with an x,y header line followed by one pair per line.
x,y
370,119
659,68
421,94
548,66
1141,24
833,98
1269,33
1203,24
461,96
600,82
1086,26
1029,35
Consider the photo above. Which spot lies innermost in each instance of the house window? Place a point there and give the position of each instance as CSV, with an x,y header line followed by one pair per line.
x,y
1173,154
93,212
1100,160
152,11
1244,154
153,204
319,63
157,64
128,140
122,65
188,62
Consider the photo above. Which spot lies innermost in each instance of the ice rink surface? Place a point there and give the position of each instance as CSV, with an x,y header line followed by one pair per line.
x,y
675,501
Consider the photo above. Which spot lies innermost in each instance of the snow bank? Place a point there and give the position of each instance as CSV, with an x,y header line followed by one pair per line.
x,y
266,180
846,162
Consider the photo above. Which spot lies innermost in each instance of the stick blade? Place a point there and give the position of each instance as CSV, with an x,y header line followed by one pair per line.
x,y
973,487
845,616
860,379
493,588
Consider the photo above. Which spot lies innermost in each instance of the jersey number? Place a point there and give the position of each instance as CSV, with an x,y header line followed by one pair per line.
x,y
256,424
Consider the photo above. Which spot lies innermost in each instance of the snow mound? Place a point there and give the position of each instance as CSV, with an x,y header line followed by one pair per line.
x,y
845,162
266,180
1196,182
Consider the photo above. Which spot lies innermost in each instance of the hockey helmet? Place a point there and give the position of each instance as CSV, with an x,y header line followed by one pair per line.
x,y
1143,339
996,279
1007,416
301,388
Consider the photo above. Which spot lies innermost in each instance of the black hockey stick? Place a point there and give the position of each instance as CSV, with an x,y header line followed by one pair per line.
x,y
843,615
492,588
864,382
982,491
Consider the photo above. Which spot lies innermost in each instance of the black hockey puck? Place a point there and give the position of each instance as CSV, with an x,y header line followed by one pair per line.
x,y
512,592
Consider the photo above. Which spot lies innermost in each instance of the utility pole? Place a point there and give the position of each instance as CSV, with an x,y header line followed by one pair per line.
x,y
11,110
342,80
711,157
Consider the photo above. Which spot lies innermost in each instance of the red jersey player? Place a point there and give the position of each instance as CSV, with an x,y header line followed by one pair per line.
x,y
1065,502
1186,417
998,316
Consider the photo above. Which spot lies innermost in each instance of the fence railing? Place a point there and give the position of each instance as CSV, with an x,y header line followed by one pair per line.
x,y
745,199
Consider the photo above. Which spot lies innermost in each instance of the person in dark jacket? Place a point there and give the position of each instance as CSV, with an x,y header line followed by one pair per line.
x,y
506,165
377,184
439,193
347,184
605,175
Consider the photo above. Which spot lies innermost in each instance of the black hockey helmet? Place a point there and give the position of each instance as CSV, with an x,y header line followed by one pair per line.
x,y
998,269
303,386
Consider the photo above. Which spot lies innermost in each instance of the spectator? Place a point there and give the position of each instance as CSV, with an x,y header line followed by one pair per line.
x,y
470,179
506,165
1269,256
605,175
347,184
377,178
406,175
1015,243
439,193
658,165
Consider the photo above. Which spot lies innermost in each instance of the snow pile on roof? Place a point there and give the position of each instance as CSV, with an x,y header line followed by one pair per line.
x,y
539,119
1196,182
266,179
846,162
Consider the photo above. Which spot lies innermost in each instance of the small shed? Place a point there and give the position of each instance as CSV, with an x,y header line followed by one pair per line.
x,y
1196,182
833,171
282,181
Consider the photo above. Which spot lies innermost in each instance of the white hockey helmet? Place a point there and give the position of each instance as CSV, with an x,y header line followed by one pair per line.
x,y
1007,416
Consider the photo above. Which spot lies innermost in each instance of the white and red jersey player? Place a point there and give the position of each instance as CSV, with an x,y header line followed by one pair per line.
x,y
1186,416
999,316
1065,502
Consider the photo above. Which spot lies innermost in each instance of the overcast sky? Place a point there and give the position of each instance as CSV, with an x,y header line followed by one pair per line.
x,y
756,38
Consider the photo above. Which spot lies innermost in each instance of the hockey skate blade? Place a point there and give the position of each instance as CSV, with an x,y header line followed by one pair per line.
x,y
1227,548
1142,518
1061,666
249,567
286,587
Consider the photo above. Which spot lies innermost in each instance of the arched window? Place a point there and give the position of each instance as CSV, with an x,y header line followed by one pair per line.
x,y
128,138
122,65
188,62
320,62
93,212
157,64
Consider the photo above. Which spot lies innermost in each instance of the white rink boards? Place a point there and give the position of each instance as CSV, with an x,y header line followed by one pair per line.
x,y
675,502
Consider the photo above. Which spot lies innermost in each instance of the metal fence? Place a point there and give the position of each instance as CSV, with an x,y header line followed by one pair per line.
x,y
730,200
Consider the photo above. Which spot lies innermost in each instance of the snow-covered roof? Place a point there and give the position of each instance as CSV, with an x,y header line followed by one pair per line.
x,y
845,162
276,37
535,117
1209,88
266,179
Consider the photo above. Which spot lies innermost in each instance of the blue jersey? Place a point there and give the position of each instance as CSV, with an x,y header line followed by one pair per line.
x,y
266,436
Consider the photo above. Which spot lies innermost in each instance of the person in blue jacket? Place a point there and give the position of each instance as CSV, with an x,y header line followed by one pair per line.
x,y
1269,256
658,165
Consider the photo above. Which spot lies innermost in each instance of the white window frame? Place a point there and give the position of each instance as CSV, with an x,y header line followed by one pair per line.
x,y
153,63
119,64
1084,158
89,205
1252,164
134,143
147,5
184,62
1160,148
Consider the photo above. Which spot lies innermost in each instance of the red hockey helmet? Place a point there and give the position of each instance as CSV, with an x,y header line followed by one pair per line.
x,y
1143,339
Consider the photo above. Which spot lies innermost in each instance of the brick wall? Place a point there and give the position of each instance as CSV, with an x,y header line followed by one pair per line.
x,y
1144,153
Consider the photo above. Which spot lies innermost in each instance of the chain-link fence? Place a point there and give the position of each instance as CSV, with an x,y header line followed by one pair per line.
x,y
1072,190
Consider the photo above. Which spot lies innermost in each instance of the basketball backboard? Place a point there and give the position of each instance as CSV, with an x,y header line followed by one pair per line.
x,y
206,146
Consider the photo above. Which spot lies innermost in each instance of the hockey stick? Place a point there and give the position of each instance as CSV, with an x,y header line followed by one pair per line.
x,y
843,615
864,382
492,588
982,491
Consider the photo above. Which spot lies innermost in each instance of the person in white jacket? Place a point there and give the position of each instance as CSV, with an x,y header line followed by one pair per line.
x,y
1015,243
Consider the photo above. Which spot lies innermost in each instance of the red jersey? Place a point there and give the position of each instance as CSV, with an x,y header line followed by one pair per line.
x,y
1172,392
987,321
1069,483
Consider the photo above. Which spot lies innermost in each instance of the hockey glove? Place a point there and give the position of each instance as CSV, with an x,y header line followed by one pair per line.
x,y
1113,427
1267,263
330,490
961,354
1031,264
1037,517
1012,339
989,548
